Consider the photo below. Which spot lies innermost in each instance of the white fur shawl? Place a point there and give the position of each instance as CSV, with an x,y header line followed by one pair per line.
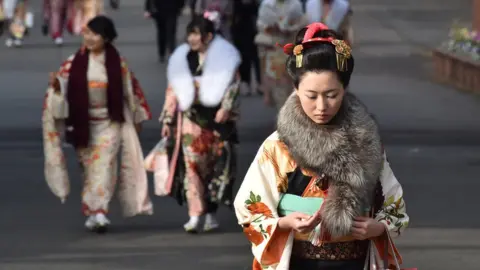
x,y
221,63
334,19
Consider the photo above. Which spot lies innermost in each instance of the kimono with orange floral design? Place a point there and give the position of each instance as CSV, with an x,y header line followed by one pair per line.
x,y
279,170
205,170
107,140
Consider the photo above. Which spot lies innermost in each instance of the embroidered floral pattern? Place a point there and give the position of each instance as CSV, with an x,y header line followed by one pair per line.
x,y
256,206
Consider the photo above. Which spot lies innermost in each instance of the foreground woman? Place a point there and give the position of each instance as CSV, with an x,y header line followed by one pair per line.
x,y
96,100
320,187
201,101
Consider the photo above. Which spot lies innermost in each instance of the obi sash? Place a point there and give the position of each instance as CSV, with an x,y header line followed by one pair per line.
x,y
290,203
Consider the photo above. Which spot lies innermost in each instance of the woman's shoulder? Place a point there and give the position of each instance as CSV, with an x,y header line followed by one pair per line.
x,y
274,147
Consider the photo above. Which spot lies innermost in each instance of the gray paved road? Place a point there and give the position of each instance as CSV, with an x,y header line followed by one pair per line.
x,y
431,132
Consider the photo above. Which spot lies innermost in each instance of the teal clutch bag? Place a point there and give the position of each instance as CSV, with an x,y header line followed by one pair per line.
x,y
290,203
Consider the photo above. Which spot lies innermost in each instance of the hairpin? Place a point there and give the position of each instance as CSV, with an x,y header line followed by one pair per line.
x,y
342,50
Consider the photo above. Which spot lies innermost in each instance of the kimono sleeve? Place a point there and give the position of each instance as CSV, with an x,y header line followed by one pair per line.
x,y
55,168
393,213
169,107
297,20
256,210
266,17
138,103
230,99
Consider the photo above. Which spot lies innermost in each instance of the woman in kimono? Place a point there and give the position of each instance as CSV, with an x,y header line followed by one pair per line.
x,y
80,12
201,102
96,100
54,18
225,9
277,22
320,187
19,20
336,14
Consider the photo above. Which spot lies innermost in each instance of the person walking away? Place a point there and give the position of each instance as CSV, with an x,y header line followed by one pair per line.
x,y
165,15
336,14
243,32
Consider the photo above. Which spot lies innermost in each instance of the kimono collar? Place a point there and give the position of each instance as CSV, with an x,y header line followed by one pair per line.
x,y
219,68
348,151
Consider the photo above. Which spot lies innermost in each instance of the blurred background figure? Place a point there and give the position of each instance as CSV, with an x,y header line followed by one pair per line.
x,y
243,35
115,4
224,7
18,20
278,21
95,99
80,12
54,19
336,14
200,114
165,15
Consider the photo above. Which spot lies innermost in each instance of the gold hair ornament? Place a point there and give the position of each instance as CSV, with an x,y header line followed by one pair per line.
x,y
343,52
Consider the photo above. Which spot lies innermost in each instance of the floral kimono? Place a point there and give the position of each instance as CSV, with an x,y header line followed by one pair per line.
x,y
299,169
80,12
20,20
205,170
289,17
336,14
107,140
54,17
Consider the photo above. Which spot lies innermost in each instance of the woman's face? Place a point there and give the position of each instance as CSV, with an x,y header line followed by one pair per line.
x,y
196,43
321,95
93,41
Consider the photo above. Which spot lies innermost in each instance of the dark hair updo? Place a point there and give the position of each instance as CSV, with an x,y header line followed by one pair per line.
x,y
201,25
318,56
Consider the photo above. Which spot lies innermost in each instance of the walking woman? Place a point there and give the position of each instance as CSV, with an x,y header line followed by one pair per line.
x,y
19,20
336,14
320,188
200,113
277,23
54,19
95,99
165,14
243,32
80,12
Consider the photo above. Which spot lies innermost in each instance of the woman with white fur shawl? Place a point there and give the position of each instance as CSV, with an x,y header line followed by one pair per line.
x,y
200,115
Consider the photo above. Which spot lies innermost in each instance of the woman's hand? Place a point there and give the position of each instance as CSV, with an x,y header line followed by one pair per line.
x,y
53,81
138,127
147,15
300,222
166,131
366,228
222,116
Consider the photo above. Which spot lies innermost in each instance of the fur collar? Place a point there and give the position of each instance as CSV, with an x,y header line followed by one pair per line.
x,y
349,152
221,62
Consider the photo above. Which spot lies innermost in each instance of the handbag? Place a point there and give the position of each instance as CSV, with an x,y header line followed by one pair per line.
x,y
157,161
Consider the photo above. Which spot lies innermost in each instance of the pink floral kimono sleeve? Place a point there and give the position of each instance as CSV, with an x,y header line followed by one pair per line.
x,y
169,108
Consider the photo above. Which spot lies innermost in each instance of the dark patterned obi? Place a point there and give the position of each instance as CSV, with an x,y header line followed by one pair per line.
x,y
305,194
205,118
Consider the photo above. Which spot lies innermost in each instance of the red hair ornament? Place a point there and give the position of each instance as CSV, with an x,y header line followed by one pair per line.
x,y
343,51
